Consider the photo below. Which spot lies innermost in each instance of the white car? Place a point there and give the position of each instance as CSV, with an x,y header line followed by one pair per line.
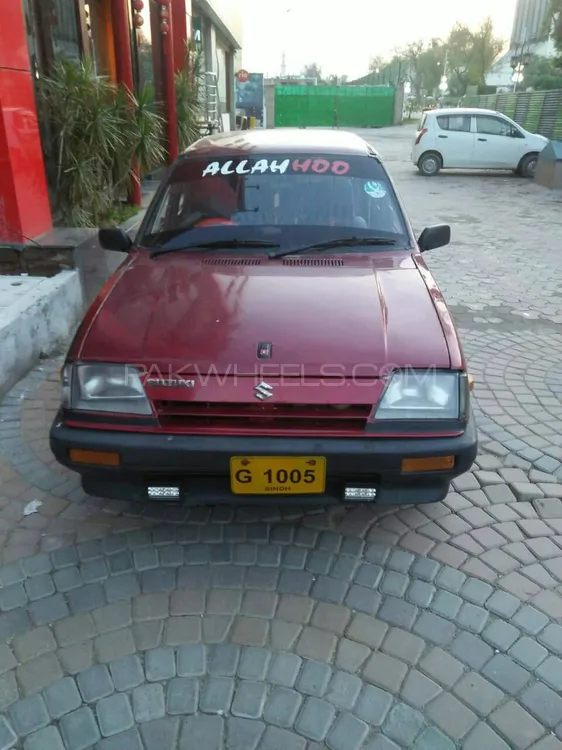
x,y
474,139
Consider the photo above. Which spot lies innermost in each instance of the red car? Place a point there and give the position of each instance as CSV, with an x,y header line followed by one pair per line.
x,y
272,335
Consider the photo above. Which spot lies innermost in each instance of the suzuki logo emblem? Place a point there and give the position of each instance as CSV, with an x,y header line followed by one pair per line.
x,y
263,391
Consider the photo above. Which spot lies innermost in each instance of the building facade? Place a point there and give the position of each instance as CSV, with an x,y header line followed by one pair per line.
x,y
529,36
141,41
530,22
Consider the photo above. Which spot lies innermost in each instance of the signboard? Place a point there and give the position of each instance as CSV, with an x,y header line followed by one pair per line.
x,y
249,94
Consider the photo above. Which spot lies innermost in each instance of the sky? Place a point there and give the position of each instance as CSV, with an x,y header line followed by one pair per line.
x,y
342,37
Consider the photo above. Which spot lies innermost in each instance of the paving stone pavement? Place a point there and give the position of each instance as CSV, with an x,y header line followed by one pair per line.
x,y
375,628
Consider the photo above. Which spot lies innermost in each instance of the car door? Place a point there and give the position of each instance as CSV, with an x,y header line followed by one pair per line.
x,y
499,143
454,140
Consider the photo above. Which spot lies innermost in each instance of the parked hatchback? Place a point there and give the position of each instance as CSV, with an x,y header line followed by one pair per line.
x,y
273,334
474,139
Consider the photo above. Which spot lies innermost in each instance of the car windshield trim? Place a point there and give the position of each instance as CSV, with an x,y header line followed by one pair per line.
x,y
293,199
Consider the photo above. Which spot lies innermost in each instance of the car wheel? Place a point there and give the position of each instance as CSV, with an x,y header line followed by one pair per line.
x,y
429,164
528,166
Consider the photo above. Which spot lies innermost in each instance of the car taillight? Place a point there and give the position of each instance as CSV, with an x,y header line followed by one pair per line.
x,y
421,135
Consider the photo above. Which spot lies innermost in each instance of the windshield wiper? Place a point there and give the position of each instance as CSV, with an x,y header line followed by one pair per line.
x,y
215,245
342,242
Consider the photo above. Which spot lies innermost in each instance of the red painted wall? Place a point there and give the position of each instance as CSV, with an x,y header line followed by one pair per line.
x,y
24,201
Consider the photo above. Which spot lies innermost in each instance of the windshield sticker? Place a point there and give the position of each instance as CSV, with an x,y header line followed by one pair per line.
x,y
375,189
320,166
260,167
274,166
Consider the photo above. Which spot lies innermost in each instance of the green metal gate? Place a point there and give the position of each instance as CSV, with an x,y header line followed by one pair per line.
x,y
537,111
334,106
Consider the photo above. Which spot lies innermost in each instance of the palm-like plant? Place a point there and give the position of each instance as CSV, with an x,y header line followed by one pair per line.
x,y
189,84
94,132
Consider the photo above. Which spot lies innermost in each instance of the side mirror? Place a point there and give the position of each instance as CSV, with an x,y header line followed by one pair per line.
x,y
115,239
433,237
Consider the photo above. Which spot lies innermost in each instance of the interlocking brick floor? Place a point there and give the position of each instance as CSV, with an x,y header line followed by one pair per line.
x,y
128,627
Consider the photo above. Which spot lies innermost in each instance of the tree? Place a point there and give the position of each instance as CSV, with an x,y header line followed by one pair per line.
x,y
432,63
411,56
554,27
377,64
465,58
542,74
459,50
312,70
485,48
424,65
335,80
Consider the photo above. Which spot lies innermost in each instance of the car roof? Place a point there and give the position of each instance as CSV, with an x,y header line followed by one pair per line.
x,y
281,141
462,111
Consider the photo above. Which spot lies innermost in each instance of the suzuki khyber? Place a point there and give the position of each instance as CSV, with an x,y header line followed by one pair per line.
x,y
272,335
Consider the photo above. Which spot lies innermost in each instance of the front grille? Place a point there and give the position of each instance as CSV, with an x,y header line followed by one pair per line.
x,y
261,418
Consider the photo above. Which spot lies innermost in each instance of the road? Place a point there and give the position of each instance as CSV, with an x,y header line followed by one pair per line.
x,y
435,627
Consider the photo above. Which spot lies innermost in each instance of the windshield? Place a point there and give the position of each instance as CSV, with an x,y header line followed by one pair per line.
x,y
290,201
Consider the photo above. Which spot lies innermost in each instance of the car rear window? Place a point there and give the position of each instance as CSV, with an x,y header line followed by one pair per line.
x,y
458,123
258,193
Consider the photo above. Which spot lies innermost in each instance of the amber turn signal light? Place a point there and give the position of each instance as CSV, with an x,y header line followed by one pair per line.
x,y
470,382
436,463
95,458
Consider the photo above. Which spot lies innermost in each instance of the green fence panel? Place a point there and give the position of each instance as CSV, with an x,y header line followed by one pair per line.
x,y
537,111
366,109
557,127
328,106
322,106
550,114
510,105
534,111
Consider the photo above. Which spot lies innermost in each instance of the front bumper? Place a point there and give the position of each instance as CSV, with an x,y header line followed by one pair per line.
x,y
200,464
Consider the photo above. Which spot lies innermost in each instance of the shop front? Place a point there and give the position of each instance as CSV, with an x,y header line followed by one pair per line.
x,y
141,44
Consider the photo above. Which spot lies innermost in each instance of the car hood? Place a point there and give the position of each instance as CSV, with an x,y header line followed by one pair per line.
x,y
324,316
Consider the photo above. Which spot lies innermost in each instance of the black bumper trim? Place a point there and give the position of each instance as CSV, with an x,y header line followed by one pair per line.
x,y
198,460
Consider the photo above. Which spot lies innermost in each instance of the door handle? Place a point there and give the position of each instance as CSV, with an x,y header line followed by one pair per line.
x,y
443,136
482,139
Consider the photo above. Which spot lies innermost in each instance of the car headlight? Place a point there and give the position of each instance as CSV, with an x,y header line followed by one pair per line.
x,y
424,394
105,388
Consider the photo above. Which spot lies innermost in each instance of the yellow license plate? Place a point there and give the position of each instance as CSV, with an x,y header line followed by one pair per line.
x,y
277,475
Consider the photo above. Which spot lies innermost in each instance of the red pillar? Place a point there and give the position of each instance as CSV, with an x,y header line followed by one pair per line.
x,y
24,197
124,69
179,33
167,31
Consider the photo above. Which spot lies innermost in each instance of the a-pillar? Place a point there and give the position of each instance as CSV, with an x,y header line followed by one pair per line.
x,y
24,197
124,69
